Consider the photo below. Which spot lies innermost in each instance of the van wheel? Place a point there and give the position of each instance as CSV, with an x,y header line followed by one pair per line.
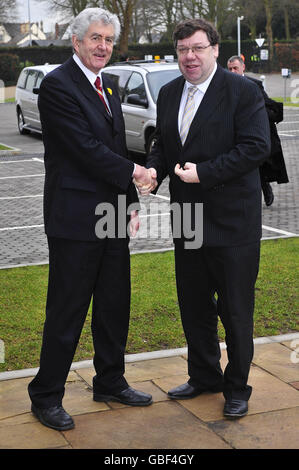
x,y
150,143
21,123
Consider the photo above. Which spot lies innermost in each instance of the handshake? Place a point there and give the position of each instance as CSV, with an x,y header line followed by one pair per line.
x,y
145,179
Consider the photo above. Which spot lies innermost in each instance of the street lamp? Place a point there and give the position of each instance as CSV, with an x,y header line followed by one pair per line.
x,y
240,18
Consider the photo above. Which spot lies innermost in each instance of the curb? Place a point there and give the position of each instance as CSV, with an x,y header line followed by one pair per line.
x,y
22,373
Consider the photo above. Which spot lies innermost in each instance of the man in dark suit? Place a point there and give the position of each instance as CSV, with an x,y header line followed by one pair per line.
x,y
274,168
86,165
214,162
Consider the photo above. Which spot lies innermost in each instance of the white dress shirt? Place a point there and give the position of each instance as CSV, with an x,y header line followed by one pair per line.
x,y
91,77
202,88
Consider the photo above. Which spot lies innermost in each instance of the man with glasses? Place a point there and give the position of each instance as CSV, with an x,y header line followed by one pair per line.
x,y
86,164
212,134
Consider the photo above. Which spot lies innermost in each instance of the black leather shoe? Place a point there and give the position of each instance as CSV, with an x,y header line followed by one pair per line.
x,y
129,396
186,391
55,417
235,408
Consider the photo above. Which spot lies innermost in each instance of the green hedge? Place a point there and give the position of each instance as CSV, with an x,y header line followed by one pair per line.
x,y
14,59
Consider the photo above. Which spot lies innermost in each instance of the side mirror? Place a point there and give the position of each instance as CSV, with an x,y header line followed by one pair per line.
x,y
135,99
35,91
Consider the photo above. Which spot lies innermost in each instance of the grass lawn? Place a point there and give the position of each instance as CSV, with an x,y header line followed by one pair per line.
x,y
4,147
155,320
287,102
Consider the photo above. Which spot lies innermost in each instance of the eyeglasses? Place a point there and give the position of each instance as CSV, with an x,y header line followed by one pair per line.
x,y
194,49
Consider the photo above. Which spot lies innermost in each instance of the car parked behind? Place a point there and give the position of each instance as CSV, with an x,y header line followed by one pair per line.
x,y
26,97
138,84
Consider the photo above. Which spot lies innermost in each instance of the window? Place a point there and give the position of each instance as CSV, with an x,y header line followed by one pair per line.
x,y
22,79
135,86
157,79
39,79
120,78
31,80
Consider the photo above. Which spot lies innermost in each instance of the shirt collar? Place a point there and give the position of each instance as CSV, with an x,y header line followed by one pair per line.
x,y
91,77
204,85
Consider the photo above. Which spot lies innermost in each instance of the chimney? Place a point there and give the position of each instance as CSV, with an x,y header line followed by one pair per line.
x,y
56,31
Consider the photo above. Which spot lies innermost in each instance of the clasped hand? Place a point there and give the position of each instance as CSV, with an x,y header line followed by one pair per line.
x,y
188,174
145,180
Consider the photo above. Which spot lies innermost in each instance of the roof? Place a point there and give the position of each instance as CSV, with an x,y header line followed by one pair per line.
x,y
46,68
149,66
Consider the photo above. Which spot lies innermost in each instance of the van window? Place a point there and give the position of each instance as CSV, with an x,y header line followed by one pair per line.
x,y
22,79
39,79
135,86
120,78
32,75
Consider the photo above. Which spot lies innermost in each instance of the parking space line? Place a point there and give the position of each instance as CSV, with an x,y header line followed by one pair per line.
x,y
21,176
159,196
18,161
21,227
277,230
19,197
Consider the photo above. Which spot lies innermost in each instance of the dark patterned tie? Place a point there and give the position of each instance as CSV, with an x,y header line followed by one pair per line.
x,y
100,93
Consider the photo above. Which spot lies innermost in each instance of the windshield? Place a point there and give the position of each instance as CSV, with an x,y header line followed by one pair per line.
x,y
157,79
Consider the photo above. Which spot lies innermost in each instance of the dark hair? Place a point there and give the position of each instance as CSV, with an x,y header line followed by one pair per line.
x,y
187,28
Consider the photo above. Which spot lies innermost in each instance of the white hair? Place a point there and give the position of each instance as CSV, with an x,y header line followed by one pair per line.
x,y
82,21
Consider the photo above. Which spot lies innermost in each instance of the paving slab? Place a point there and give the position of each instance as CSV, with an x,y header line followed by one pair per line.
x,y
278,360
159,426
30,436
145,370
14,399
275,430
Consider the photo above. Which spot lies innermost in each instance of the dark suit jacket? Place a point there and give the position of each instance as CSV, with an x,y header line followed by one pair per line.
x,y
85,153
228,140
273,169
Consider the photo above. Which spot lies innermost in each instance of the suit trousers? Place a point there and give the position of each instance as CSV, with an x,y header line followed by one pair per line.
x,y
78,272
214,281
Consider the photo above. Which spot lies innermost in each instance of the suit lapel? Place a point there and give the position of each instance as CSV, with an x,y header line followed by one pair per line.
x,y
113,100
175,107
87,89
210,101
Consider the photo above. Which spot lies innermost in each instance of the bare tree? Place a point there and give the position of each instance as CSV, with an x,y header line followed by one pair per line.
x,y
268,4
8,9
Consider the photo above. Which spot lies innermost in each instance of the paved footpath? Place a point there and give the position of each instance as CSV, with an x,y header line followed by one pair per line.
x,y
182,427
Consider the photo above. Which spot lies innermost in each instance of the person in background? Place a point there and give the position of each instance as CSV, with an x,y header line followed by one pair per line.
x,y
274,168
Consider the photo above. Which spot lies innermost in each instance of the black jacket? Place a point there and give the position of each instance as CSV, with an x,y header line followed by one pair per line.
x,y
85,152
228,140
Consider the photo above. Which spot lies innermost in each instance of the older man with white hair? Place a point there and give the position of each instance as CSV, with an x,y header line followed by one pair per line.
x,y
86,164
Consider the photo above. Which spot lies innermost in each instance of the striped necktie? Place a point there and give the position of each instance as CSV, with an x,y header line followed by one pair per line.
x,y
188,113
100,93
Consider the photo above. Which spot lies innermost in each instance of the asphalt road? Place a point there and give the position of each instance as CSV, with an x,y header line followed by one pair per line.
x,y
22,238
